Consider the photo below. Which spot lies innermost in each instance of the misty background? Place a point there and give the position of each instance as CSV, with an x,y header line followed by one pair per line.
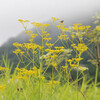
x,y
71,11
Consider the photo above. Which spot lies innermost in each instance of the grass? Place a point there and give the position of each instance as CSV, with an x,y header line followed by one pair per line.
x,y
49,77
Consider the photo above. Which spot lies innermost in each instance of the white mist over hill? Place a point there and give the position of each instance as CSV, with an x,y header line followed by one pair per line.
x,y
41,11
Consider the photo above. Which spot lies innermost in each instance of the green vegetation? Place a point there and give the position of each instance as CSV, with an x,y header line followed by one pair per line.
x,y
51,72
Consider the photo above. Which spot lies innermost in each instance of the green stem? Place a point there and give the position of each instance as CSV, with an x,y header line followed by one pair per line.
x,y
96,75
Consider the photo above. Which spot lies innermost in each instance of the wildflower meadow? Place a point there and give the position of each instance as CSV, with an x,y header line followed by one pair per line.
x,y
48,68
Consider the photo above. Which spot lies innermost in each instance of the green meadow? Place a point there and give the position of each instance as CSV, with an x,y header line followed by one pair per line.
x,y
52,72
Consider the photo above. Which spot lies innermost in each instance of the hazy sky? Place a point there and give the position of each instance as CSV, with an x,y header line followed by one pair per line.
x,y
38,11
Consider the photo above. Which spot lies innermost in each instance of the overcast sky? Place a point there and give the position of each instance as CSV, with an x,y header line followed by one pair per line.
x,y
38,11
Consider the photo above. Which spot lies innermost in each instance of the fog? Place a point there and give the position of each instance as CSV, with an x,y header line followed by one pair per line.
x,y
40,11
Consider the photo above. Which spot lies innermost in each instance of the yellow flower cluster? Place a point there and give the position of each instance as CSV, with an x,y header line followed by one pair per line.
x,y
54,19
98,28
73,36
28,32
79,27
54,57
47,39
81,47
47,34
37,24
54,82
24,73
73,45
31,46
87,27
52,54
41,77
18,51
62,27
20,77
2,87
54,64
16,44
34,35
58,50
74,62
78,59
64,67
49,45
3,69
63,37
22,21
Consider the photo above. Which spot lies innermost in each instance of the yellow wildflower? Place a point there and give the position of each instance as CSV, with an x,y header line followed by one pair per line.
x,y
56,82
36,24
56,47
54,19
64,29
69,60
34,68
17,44
81,28
64,67
22,52
44,32
2,87
67,38
28,32
41,77
17,51
73,45
34,35
47,34
3,68
58,26
96,22
31,40
73,36
81,47
77,24
78,59
75,28
88,27
98,28
47,50
73,65
10,80
45,25
18,69
26,20
20,77
20,20
60,37
47,39
49,44
54,56
50,83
